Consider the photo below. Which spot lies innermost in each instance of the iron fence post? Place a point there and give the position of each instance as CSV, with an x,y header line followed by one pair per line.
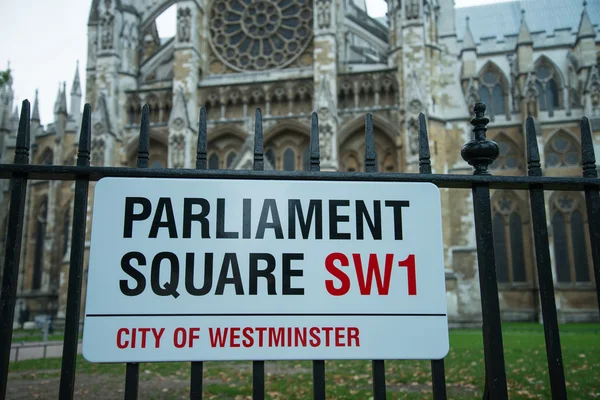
x,y
315,166
438,374
544,268
12,250
78,236
258,367
197,368
132,372
480,152
592,198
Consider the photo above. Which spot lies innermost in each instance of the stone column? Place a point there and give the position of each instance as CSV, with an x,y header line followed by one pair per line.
x,y
325,21
414,75
186,75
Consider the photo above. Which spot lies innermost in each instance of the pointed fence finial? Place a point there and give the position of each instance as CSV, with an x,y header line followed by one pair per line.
x,y
534,166
480,152
23,136
370,155
588,157
202,140
85,138
424,154
259,160
315,151
144,139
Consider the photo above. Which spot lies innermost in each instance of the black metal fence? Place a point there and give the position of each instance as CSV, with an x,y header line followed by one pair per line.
x,y
479,152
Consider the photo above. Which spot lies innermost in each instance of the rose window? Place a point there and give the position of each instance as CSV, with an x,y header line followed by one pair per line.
x,y
252,35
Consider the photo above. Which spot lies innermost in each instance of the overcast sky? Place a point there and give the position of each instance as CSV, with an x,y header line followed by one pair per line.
x,y
44,39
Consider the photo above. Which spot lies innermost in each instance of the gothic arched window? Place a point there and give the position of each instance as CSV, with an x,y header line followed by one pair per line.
x,y
166,111
571,258
154,106
508,158
507,226
133,110
562,151
548,87
230,158
492,91
213,161
289,160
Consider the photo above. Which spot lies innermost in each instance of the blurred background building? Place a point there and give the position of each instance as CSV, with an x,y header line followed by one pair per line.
x,y
292,57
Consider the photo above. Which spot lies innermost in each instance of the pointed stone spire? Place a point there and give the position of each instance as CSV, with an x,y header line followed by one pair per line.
x,y
75,109
468,41
76,89
63,97
10,78
524,33
35,115
57,101
586,29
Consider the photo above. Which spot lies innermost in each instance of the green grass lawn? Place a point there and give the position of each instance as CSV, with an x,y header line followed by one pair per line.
x,y
525,356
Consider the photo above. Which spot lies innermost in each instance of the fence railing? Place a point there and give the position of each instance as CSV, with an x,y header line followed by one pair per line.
x,y
479,152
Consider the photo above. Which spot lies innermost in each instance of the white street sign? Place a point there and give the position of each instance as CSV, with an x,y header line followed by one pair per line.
x,y
192,270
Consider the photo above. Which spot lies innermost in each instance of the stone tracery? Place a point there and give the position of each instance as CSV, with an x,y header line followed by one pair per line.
x,y
262,34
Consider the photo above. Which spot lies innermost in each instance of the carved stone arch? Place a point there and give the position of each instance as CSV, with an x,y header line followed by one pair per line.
x,y
286,126
495,68
510,156
518,199
285,136
562,149
351,139
257,96
224,130
565,131
357,122
158,136
233,97
224,139
154,11
543,59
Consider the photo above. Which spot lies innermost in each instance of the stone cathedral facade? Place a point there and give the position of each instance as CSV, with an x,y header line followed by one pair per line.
x,y
292,57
